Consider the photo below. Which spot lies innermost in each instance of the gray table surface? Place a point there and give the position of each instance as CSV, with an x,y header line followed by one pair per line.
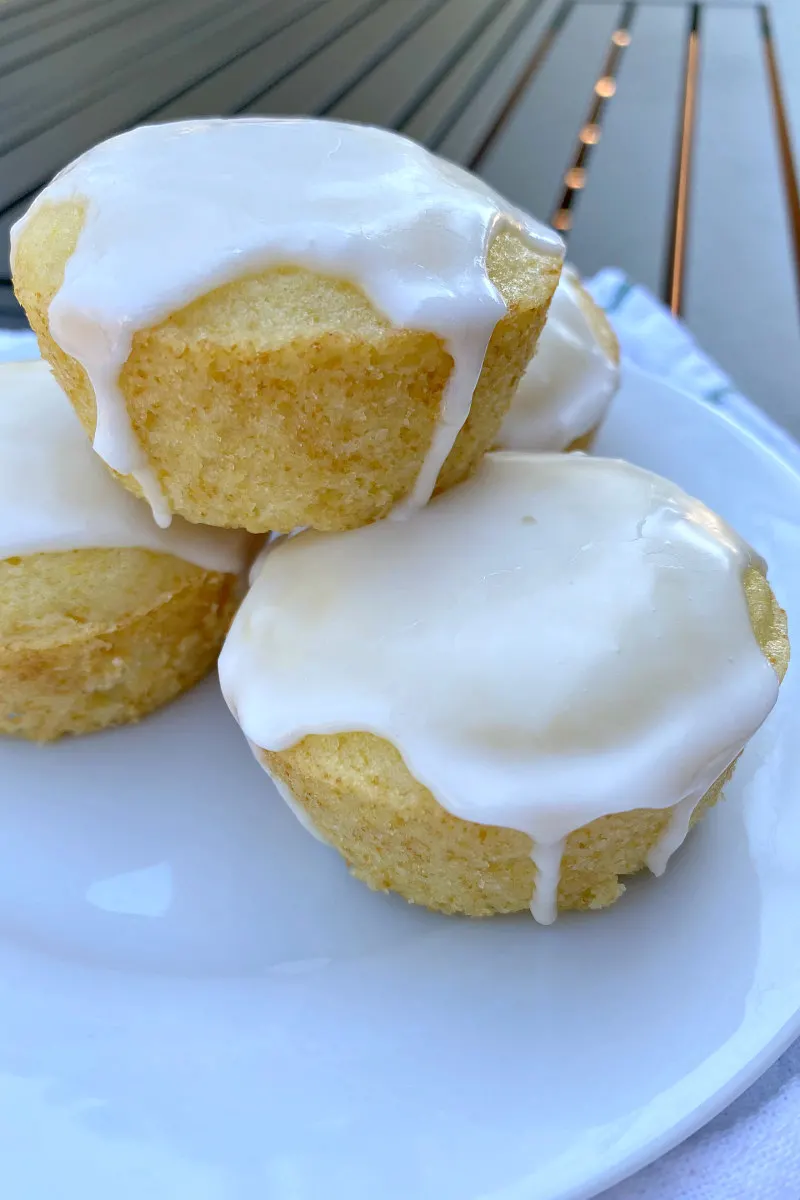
x,y
685,177
691,186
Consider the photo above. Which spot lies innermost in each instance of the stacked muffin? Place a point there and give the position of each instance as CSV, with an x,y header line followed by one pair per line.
x,y
103,615
492,681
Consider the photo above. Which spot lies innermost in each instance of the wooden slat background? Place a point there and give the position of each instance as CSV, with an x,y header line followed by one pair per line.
x,y
483,105
741,297
503,86
625,213
528,160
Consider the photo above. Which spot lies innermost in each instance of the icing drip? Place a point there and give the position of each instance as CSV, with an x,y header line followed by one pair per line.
x,y
557,639
569,382
174,211
153,494
56,495
680,820
546,858
673,836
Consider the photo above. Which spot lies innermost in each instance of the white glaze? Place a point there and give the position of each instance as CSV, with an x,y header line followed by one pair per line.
x,y
558,639
569,382
176,210
674,835
546,858
56,495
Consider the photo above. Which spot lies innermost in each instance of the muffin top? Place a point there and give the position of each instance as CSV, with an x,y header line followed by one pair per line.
x,y
545,644
56,495
174,211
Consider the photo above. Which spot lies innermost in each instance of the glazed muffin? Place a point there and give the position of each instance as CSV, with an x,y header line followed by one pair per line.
x,y
103,616
568,385
526,692
268,324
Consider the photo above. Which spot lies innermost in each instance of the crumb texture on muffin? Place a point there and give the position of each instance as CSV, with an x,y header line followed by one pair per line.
x,y
103,616
551,666
56,494
91,638
361,797
284,397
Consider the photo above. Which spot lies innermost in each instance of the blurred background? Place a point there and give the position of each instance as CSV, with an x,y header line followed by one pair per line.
x,y
661,138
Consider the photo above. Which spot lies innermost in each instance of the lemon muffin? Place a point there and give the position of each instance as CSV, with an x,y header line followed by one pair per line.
x,y
570,382
269,323
103,616
527,691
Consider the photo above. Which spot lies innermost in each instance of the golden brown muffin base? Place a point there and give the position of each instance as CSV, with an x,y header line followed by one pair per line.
x,y
91,638
284,399
361,797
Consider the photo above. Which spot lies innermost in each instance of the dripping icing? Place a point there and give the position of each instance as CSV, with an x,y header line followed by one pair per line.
x,y
674,835
56,495
587,649
174,211
546,858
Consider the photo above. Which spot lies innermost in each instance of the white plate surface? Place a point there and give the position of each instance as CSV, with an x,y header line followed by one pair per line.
x,y
198,1003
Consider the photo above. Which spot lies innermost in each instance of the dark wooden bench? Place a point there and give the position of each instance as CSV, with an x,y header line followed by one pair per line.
x,y
658,136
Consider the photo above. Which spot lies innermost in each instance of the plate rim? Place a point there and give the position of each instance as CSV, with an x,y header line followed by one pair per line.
x,y
780,445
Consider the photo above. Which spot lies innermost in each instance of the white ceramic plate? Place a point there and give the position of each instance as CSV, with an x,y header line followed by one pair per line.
x,y
198,1003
